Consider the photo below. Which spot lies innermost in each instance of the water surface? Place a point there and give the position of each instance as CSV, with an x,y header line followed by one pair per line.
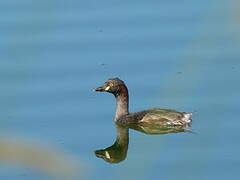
x,y
179,55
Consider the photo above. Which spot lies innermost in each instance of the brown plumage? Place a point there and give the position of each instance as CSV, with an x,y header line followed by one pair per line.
x,y
164,117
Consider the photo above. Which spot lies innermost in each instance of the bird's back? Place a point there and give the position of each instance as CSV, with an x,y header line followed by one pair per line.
x,y
159,116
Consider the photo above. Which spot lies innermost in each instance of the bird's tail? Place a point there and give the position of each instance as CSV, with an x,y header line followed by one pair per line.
x,y
187,117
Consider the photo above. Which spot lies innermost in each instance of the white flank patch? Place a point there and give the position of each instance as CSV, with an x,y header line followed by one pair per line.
x,y
187,117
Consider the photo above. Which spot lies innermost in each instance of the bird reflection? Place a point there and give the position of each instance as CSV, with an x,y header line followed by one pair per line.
x,y
118,151
158,129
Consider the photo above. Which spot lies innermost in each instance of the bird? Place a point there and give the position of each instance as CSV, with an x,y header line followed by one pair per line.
x,y
158,116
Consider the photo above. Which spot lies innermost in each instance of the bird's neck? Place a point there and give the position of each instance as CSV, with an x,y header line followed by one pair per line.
x,y
122,102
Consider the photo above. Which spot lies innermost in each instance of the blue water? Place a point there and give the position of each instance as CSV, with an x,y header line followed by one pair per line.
x,y
181,55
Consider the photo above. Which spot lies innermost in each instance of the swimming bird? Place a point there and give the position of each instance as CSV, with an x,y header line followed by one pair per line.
x,y
163,117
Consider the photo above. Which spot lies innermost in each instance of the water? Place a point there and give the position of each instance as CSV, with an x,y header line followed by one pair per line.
x,y
180,55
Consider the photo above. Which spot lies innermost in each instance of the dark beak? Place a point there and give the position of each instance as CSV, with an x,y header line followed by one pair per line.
x,y
99,89
99,153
